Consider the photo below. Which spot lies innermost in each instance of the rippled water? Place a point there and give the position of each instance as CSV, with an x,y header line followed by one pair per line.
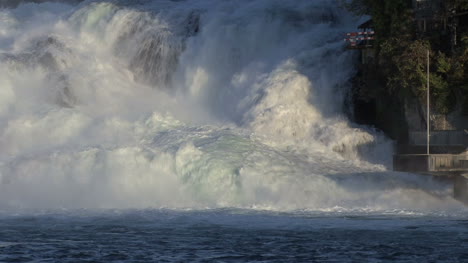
x,y
230,236
229,114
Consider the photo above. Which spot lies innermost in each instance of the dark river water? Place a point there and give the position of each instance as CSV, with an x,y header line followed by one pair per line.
x,y
230,236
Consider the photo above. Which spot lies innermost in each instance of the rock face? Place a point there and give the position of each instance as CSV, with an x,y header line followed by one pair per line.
x,y
15,3
397,117
415,115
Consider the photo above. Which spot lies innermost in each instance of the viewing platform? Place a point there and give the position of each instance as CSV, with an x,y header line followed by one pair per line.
x,y
434,164
448,158
448,153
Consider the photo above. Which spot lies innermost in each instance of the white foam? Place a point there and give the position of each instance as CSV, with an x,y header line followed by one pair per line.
x,y
190,105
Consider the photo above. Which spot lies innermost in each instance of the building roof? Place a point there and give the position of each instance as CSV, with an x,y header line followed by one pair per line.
x,y
367,25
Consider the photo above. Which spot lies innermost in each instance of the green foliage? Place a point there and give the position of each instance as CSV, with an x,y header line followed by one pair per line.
x,y
389,17
402,54
459,75
457,4
409,67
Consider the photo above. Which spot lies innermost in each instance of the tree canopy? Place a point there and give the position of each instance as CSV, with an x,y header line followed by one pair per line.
x,y
402,51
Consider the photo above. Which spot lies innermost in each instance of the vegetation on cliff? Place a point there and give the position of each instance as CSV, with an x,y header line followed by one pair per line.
x,y
398,72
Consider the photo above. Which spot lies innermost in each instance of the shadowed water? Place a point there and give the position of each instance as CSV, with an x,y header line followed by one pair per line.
x,y
231,236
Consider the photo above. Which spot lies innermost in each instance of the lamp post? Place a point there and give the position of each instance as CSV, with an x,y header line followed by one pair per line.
x,y
428,107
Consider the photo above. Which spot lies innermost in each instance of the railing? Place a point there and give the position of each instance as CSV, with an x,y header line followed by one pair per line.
x,y
362,39
434,163
446,162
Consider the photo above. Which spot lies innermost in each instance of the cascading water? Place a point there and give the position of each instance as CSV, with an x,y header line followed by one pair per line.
x,y
189,104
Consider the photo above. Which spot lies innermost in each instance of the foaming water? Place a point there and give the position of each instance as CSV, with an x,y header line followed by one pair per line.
x,y
190,104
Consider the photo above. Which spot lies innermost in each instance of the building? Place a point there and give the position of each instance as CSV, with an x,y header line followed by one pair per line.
x,y
363,40
430,15
446,17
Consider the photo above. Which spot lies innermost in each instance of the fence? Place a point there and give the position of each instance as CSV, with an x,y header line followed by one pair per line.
x,y
430,163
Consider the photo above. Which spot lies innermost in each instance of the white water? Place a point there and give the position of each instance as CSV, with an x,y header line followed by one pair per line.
x,y
190,104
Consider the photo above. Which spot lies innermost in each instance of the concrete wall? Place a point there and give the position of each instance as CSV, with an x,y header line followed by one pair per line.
x,y
439,138
411,163
460,188
434,149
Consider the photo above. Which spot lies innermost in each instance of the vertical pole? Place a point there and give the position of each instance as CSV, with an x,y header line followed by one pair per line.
x,y
428,107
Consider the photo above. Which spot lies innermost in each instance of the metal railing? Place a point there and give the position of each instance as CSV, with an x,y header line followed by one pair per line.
x,y
447,162
433,163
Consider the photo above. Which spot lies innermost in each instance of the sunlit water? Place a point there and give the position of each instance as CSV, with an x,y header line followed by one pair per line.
x,y
213,129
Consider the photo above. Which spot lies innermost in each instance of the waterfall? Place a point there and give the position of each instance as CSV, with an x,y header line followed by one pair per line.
x,y
189,104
